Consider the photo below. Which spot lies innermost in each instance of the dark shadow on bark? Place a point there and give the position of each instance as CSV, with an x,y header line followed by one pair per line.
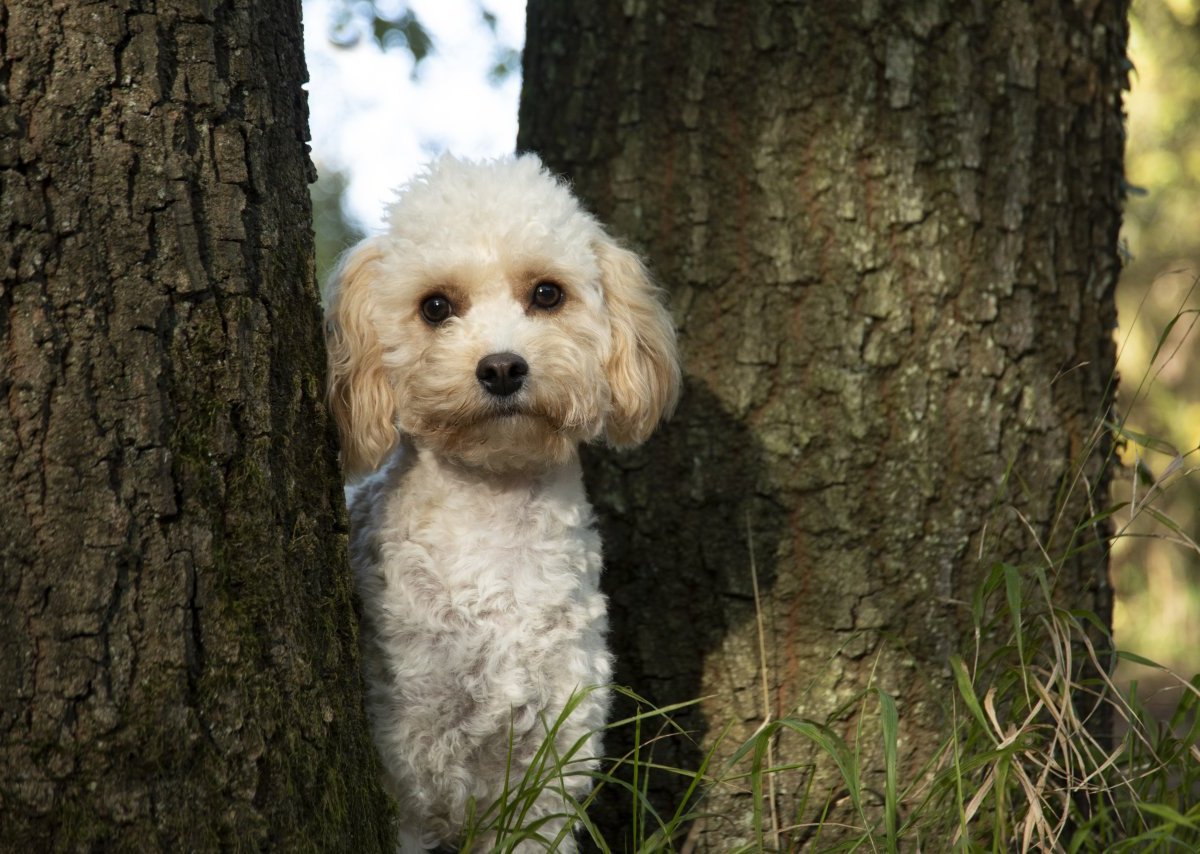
x,y
683,512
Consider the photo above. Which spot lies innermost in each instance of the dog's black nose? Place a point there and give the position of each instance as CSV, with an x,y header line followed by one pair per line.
x,y
502,374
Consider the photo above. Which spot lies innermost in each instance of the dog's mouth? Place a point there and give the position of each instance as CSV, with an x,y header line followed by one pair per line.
x,y
499,411
506,408
510,420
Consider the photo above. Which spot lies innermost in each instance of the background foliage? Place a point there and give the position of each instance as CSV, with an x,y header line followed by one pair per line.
x,y
1156,570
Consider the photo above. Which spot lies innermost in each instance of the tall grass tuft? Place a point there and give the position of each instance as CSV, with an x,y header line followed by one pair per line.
x,y
1021,766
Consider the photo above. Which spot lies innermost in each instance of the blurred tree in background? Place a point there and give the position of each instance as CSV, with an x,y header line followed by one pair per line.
x,y
1156,570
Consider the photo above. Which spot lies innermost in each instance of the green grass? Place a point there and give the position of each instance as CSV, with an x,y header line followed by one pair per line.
x,y
1020,766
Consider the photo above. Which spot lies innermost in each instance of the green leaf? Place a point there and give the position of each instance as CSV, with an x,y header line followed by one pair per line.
x,y
890,724
1137,659
967,690
1169,814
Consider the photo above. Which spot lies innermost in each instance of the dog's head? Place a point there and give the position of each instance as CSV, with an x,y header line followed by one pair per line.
x,y
496,322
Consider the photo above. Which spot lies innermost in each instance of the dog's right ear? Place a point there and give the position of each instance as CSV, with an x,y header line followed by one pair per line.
x,y
361,398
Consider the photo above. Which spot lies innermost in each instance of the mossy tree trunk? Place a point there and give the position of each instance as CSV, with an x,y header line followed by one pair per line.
x,y
178,660
889,230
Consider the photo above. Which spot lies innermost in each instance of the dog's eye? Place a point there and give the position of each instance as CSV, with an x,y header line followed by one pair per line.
x,y
547,295
436,308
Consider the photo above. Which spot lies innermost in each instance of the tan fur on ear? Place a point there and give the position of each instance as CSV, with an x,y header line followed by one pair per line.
x,y
643,369
361,398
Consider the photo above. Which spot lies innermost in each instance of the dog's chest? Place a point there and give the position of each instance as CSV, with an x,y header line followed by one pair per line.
x,y
475,555
482,617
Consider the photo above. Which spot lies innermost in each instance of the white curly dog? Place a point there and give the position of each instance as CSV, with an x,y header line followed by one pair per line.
x,y
492,329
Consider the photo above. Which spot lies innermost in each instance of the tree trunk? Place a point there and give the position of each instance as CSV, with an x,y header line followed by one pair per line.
x,y
178,658
889,231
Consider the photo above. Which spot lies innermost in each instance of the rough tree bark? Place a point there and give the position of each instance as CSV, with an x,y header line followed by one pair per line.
x,y
890,234
178,660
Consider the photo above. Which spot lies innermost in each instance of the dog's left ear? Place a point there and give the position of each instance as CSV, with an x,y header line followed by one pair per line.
x,y
643,367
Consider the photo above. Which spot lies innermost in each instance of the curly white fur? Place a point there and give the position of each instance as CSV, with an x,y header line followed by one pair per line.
x,y
472,540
